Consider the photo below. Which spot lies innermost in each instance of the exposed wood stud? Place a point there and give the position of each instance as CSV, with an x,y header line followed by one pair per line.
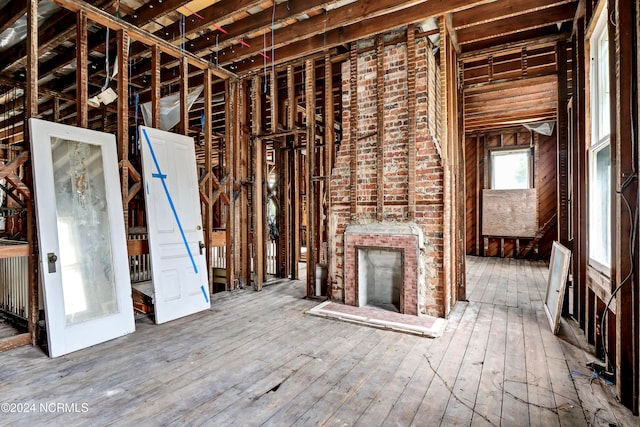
x,y
562,146
184,96
82,71
123,120
31,95
208,173
229,170
310,91
329,141
293,193
244,106
380,126
155,87
258,199
623,337
353,130
411,143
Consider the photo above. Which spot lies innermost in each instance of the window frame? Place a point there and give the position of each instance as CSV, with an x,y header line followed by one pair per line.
x,y
600,103
504,151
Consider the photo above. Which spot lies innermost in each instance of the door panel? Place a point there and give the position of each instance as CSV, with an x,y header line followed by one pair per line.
x,y
178,269
83,250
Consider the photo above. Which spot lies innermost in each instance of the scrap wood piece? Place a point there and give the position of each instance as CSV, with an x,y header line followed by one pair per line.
x,y
13,165
20,186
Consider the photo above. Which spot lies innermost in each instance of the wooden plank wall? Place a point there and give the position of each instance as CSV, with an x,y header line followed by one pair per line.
x,y
477,149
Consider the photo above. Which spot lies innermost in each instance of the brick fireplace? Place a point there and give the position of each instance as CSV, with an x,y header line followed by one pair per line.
x,y
387,182
381,266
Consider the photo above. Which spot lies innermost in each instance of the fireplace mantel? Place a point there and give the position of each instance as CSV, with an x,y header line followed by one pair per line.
x,y
406,237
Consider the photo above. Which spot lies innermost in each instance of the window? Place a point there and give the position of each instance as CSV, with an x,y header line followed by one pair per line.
x,y
510,169
600,150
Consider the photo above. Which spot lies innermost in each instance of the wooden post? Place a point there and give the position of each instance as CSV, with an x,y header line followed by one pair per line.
x,y
31,99
310,97
82,71
329,141
230,170
208,186
184,96
243,120
579,177
353,130
123,120
562,146
411,143
294,193
155,87
258,187
622,152
380,126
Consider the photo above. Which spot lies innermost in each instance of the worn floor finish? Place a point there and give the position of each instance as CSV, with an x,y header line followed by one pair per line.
x,y
256,359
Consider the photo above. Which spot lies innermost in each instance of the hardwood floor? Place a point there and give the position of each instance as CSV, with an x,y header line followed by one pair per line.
x,y
255,358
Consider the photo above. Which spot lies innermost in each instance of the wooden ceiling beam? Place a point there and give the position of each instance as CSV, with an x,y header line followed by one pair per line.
x,y
528,21
502,9
254,23
104,18
153,10
525,38
11,13
319,24
217,12
345,28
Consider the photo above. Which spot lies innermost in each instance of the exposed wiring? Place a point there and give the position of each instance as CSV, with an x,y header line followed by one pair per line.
x,y
634,217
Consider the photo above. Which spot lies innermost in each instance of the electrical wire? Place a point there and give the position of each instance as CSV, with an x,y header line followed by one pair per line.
x,y
634,217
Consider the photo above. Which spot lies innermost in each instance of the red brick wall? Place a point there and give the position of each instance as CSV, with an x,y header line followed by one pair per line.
x,y
429,171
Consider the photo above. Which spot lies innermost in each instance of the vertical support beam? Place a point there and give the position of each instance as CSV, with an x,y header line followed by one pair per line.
x,y
478,191
411,143
184,95
123,120
353,130
310,97
243,163
624,165
294,193
155,86
291,95
273,94
230,90
329,141
258,187
82,69
208,166
56,109
580,176
562,145
31,107
380,126
295,206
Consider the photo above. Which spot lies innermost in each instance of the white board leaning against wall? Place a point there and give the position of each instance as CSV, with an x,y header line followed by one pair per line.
x,y
83,248
174,224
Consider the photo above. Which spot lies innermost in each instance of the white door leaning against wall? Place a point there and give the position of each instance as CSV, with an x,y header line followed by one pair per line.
x,y
174,223
83,248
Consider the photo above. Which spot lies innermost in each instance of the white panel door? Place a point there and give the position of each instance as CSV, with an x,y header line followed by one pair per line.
x,y
174,223
83,248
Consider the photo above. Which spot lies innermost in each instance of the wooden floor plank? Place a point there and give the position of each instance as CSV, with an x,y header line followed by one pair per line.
x,y
434,403
488,405
460,408
515,410
255,358
542,406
